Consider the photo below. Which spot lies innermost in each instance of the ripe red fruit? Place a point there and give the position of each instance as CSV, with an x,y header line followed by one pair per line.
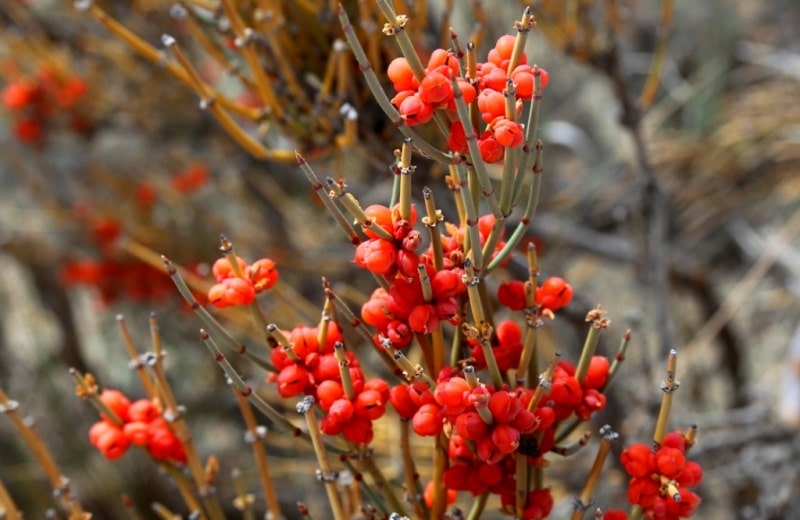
x,y
117,403
504,406
639,460
401,401
137,433
423,318
554,293
452,393
358,430
341,410
435,88
370,405
400,74
427,421
293,380
457,138
376,255
522,76
492,104
491,150
597,374
18,95
512,295
504,46
109,439
415,111
429,491
143,410
222,269
505,438
441,57
508,133
263,273
232,291
670,462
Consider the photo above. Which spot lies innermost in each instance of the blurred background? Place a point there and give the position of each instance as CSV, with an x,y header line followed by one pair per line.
x,y
672,152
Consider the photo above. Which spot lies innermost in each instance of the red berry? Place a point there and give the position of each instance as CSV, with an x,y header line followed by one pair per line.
x,y
469,425
522,76
457,138
504,46
293,380
376,256
137,433
505,438
400,74
427,421
401,401
423,319
435,88
110,440
554,293
452,393
512,295
341,410
117,403
370,405
670,462
451,495
358,430
491,150
143,410
441,57
597,374
504,406
691,475
639,460
492,104
263,273
232,291
415,111
222,269
508,133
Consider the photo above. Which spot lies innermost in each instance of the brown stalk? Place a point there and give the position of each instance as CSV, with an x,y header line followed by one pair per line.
x,y
60,483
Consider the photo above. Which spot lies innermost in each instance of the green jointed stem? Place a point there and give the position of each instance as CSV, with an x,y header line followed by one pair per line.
x,y
619,358
471,214
431,221
374,84
329,204
530,209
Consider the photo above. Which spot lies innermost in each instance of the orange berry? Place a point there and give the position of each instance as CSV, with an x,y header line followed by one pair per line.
x,y
415,111
435,88
400,74
508,133
492,104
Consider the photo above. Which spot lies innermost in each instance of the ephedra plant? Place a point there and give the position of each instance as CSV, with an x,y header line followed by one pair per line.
x,y
438,349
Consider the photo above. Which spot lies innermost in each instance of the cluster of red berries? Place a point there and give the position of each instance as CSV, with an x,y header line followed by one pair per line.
x,y
139,423
553,294
114,275
416,100
403,309
37,100
183,182
239,286
488,425
306,366
661,478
